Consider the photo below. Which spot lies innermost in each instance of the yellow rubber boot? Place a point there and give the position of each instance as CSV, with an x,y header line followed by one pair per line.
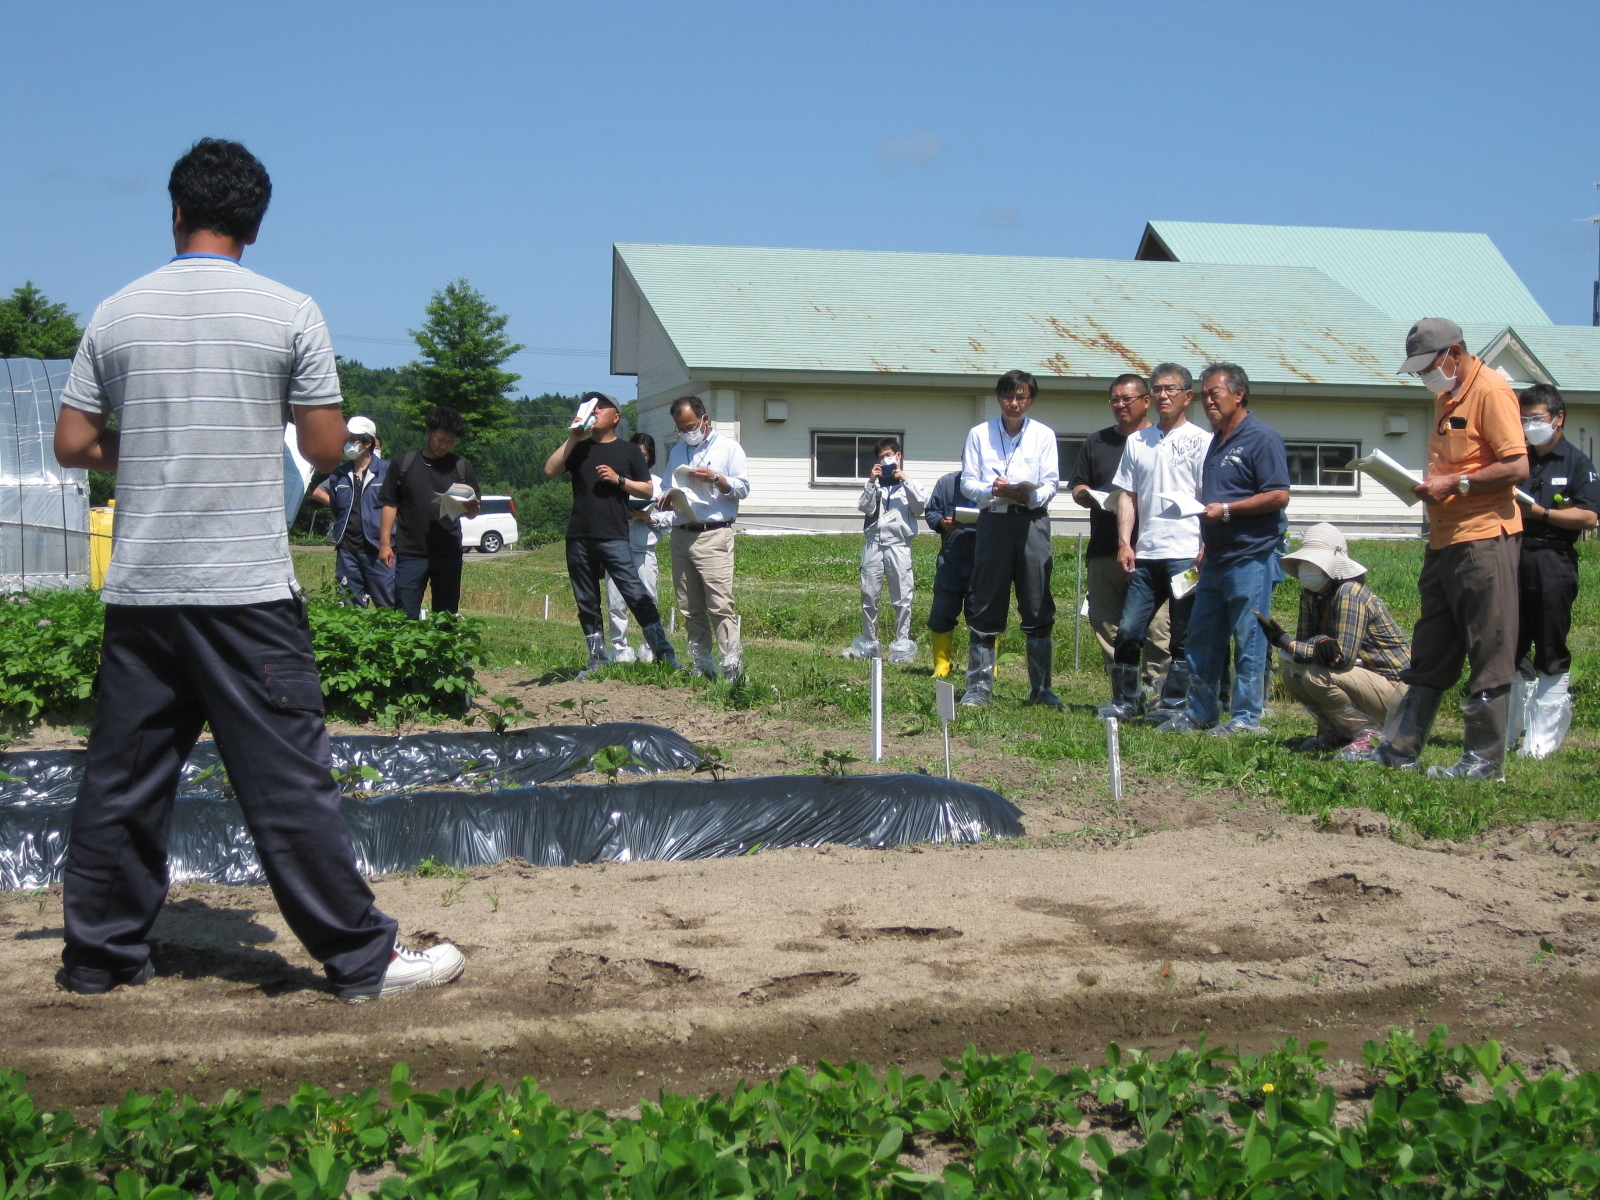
x,y
942,643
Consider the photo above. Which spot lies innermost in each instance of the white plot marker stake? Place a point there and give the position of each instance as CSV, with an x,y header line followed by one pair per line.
x,y
877,709
1114,755
547,606
944,699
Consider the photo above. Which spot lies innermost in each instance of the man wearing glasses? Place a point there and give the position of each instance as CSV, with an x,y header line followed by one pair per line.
x,y
1477,456
1095,469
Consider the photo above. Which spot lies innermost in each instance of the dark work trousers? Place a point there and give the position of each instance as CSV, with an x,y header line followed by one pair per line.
x,y
589,560
952,580
248,670
413,573
1469,614
1547,582
363,576
1013,551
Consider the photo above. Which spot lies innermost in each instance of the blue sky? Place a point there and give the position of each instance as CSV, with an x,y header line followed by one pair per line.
x,y
513,143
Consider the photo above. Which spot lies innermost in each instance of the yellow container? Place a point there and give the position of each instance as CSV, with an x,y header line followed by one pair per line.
x,y
99,545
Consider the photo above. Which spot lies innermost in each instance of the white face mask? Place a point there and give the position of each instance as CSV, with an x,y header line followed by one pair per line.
x,y
1437,382
693,437
1313,578
352,450
888,462
1538,432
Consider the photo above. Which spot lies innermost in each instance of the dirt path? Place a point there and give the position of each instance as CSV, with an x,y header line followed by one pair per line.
x,y
611,981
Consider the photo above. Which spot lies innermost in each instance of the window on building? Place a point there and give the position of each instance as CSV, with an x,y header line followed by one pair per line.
x,y
1321,465
1067,447
845,457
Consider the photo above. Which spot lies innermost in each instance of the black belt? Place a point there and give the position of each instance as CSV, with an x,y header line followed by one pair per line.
x,y
1023,508
1539,543
704,526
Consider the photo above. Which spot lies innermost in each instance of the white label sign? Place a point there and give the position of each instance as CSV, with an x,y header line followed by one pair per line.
x,y
944,698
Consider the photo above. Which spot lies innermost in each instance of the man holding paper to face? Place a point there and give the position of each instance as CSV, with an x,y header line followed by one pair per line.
x,y
1476,455
1009,470
1091,485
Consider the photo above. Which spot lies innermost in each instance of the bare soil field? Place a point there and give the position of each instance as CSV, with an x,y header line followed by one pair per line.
x,y
1173,914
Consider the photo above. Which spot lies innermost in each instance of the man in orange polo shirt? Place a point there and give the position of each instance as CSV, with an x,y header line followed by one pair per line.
x,y
1476,456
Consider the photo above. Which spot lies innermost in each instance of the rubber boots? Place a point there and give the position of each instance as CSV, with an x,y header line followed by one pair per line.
x,y
1549,715
1127,693
1174,694
1041,661
980,670
943,643
1405,732
655,637
597,654
1483,741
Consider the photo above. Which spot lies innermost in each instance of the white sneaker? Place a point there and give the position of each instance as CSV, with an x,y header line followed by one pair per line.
x,y
409,971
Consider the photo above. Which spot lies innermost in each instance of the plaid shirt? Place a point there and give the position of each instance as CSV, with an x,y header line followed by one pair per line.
x,y
1355,617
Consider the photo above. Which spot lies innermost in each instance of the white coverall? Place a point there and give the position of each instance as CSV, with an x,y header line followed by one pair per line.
x,y
892,514
642,538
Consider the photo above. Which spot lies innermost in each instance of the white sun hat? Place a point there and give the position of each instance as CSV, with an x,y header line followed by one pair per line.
x,y
361,427
1324,547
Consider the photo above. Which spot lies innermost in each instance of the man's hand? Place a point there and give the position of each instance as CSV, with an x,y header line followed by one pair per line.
x,y
1125,558
1436,489
386,555
705,474
946,525
899,476
607,474
1017,493
1081,497
1212,514
876,472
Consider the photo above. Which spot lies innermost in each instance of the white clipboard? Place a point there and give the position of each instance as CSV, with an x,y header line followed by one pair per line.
x,y
1389,473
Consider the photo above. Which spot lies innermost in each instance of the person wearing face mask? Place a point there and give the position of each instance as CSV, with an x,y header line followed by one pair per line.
x,y
702,544
1344,661
352,491
890,503
1559,501
1468,587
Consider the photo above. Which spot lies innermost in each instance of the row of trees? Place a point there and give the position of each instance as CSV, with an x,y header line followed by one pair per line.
x,y
462,352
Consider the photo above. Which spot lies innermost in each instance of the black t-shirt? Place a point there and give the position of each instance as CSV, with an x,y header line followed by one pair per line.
x,y
1566,472
1096,465
411,486
600,510
355,537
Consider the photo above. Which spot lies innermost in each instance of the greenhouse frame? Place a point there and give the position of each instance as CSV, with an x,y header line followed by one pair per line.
x,y
44,508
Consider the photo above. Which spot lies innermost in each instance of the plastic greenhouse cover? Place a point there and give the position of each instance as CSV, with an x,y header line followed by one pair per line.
x,y
44,508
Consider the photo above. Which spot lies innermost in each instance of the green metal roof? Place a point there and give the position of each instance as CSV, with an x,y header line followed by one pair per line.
x,y
746,309
1570,353
1408,275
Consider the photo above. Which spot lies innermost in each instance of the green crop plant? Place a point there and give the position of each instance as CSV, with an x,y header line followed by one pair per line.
x,y
610,760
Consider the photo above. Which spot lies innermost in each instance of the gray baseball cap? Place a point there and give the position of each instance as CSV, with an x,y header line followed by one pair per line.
x,y
1427,337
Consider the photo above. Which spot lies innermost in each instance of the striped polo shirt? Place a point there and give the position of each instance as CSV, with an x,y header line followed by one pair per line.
x,y
199,362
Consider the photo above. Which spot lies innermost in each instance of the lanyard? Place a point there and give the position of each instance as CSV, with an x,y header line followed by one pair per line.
x,y
1005,467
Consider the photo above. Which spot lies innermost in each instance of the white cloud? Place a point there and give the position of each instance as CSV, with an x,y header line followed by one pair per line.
x,y
923,148
132,185
1000,218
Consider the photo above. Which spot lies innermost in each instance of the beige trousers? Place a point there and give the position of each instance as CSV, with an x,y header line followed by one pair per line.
x,y
702,579
1323,689
1108,588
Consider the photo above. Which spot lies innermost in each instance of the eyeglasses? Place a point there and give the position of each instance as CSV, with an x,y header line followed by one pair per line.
x,y
1167,389
1124,401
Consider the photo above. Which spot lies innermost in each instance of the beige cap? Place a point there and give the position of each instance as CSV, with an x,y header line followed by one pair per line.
x,y
361,427
1324,547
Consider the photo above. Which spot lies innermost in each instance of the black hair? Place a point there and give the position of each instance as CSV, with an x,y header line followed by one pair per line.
x,y
1012,380
1130,377
1164,370
1543,393
887,443
445,418
648,444
221,187
1233,375
694,402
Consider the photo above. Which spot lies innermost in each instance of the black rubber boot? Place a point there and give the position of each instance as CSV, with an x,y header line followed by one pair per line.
x,y
1041,661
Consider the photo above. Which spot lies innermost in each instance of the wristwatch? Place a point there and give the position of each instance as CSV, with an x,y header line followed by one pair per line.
x,y
1226,515
1463,486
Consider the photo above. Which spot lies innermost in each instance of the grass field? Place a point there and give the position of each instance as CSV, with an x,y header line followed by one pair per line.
x,y
798,599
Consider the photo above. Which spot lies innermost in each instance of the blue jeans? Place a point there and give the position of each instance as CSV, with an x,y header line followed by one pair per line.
x,y
1149,587
362,575
589,560
1225,604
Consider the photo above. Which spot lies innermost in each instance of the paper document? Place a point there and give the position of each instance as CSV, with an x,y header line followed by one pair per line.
x,y
1183,584
1105,501
1389,473
679,500
682,480
1177,505
453,502
1524,497
966,516
296,474
584,417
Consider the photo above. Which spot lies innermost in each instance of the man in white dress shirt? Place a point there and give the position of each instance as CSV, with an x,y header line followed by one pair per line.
x,y
1009,470
702,545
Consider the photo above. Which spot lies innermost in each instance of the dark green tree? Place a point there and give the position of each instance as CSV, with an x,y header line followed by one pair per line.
x,y
463,346
32,327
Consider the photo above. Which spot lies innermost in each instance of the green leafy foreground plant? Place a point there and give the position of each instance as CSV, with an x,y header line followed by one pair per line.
x,y
1208,1124
377,663
49,651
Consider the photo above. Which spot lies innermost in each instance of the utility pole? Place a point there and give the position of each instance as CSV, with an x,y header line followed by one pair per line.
x,y
1595,221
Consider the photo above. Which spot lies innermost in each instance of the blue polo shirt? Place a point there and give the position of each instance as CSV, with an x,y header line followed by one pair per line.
x,y
1250,461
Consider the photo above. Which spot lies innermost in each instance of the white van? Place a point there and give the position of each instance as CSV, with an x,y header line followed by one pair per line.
x,y
492,529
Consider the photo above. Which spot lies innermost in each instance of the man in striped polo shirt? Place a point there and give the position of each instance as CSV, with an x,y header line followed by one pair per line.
x,y
201,363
